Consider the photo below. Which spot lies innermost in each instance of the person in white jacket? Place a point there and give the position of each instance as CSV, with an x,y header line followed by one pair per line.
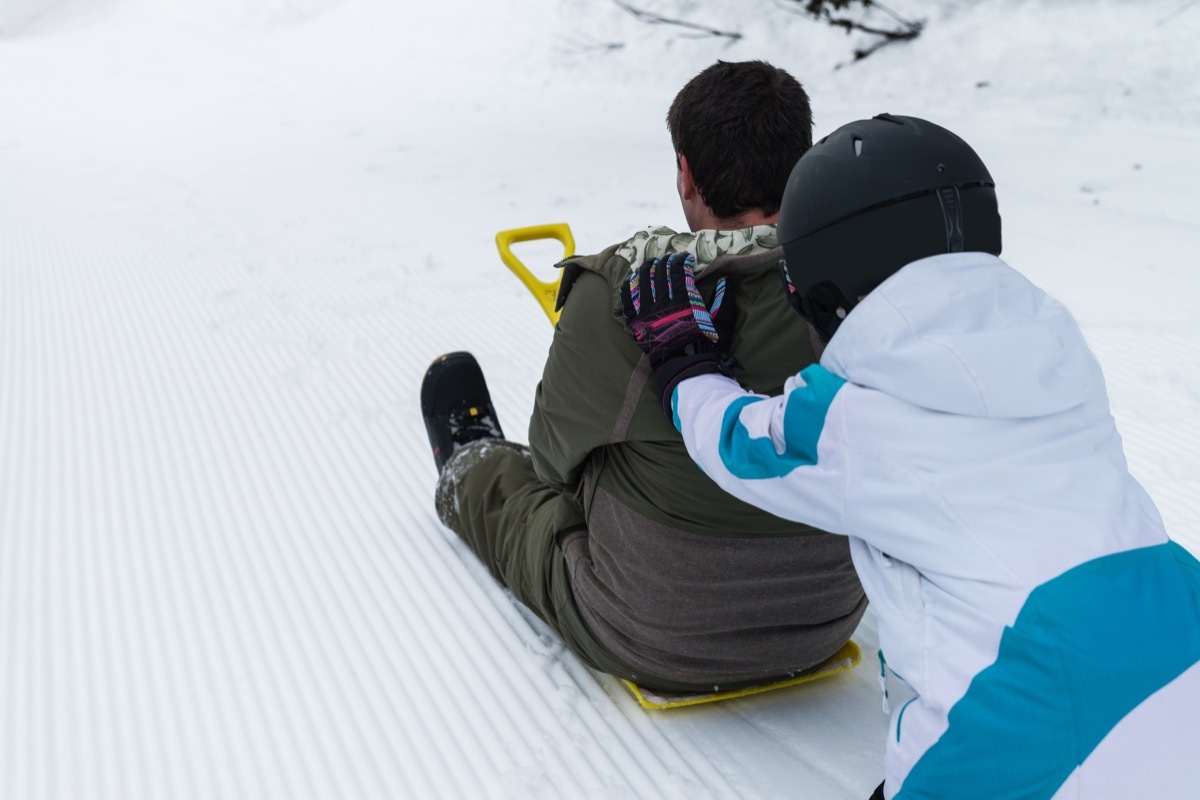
x,y
957,429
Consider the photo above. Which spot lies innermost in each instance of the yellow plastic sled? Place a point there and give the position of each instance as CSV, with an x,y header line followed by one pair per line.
x,y
545,292
846,658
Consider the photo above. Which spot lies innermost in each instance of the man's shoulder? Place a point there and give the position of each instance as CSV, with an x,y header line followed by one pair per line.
x,y
716,249
612,263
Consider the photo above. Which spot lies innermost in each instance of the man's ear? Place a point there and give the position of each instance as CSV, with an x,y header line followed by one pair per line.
x,y
685,182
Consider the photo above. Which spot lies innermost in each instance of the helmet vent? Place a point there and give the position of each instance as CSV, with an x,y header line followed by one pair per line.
x,y
857,146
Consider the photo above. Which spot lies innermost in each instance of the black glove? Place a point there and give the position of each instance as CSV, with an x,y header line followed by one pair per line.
x,y
667,316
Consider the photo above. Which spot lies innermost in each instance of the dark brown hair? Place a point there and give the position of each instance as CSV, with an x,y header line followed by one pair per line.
x,y
742,127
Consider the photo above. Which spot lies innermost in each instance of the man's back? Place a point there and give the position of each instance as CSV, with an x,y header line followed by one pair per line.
x,y
679,588
676,577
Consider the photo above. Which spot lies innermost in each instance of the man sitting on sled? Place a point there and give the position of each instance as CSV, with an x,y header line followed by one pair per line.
x,y
603,526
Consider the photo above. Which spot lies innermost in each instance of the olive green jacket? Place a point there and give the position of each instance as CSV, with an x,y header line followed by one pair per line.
x,y
677,577
596,412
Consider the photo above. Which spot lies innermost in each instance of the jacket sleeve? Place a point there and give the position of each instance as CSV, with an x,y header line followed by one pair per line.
x,y
589,371
783,454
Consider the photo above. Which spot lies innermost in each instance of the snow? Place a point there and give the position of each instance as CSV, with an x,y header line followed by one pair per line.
x,y
233,235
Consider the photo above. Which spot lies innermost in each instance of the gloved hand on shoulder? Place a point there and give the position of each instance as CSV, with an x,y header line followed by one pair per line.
x,y
667,316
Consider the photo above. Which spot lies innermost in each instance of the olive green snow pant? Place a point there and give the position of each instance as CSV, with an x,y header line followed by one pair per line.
x,y
490,496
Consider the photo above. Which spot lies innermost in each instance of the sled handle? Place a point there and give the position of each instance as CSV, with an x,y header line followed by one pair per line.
x,y
545,292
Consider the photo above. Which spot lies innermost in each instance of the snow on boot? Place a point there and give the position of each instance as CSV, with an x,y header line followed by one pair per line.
x,y
456,405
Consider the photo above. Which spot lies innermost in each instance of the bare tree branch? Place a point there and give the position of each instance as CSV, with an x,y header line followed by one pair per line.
x,y
655,19
823,10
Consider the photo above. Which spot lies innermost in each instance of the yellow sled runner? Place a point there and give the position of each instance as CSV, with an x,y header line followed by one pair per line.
x,y
546,292
844,659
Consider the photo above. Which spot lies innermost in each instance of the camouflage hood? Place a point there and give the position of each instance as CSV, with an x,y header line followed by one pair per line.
x,y
706,245
710,247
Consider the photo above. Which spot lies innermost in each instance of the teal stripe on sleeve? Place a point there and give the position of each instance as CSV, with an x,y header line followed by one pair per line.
x,y
807,406
1087,648
748,457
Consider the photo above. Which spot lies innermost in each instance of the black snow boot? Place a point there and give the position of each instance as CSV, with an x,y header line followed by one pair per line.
x,y
456,405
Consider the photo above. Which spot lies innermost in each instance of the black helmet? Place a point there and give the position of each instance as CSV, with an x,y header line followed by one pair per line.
x,y
875,195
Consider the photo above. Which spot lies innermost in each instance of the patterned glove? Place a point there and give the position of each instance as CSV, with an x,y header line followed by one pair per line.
x,y
667,316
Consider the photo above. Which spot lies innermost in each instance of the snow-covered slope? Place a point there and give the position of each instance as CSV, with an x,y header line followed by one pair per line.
x,y
232,237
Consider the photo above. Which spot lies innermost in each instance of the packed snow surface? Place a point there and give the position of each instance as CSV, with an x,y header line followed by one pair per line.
x,y
234,234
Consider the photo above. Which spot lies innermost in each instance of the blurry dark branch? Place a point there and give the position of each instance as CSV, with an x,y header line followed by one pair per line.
x,y
825,10
651,18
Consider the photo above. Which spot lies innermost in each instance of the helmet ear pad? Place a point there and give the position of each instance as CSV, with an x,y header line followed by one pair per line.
x,y
825,307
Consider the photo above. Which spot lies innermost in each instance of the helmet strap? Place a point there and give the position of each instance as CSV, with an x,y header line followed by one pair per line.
x,y
789,286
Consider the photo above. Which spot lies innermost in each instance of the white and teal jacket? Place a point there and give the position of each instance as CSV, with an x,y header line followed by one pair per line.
x,y
957,429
